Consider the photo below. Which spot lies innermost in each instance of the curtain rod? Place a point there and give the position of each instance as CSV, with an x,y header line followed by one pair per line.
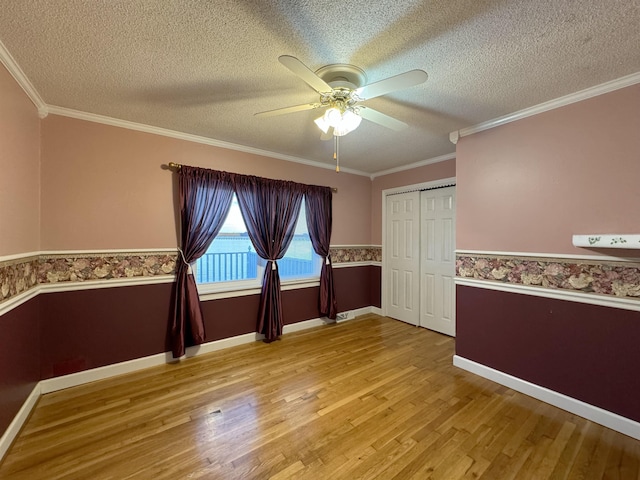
x,y
178,166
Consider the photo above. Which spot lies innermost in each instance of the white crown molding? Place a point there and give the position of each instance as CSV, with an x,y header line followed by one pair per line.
x,y
568,256
16,72
115,122
430,161
624,303
585,410
443,182
601,89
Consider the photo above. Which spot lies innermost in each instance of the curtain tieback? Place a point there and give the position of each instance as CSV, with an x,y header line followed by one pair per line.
x,y
189,269
327,260
273,265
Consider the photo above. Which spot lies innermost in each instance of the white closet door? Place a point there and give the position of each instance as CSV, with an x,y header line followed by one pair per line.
x,y
437,246
402,254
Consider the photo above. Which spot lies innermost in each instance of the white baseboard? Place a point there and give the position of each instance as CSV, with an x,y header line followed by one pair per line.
x,y
101,373
16,424
80,378
296,327
590,412
351,314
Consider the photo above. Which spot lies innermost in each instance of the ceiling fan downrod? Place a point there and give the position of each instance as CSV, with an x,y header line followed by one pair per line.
x,y
336,155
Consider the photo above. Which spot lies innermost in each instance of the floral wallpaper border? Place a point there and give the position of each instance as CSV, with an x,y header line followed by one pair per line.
x,y
620,279
20,275
355,254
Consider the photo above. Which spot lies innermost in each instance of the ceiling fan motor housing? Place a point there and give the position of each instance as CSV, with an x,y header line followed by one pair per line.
x,y
343,75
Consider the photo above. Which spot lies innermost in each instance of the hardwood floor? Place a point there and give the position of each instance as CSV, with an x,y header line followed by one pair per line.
x,y
372,398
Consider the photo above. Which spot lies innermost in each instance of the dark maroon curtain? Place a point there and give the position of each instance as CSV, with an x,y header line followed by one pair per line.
x,y
270,209
319,220
205,199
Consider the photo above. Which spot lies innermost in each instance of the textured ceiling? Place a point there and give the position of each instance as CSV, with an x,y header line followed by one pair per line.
x,y
205,67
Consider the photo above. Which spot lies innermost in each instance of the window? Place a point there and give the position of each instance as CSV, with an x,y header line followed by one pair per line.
x,y
300,260
232,258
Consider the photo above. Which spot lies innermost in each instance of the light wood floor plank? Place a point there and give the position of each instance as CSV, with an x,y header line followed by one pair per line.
x,y
373,398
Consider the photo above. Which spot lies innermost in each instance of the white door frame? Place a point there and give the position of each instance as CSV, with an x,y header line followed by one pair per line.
x,y
444,182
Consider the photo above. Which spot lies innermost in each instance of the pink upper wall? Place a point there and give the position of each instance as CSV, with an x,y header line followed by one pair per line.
x,y
19,169
103,187
528,186
427,173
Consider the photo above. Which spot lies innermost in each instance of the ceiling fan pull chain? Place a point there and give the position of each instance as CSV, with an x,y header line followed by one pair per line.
x,y
336,155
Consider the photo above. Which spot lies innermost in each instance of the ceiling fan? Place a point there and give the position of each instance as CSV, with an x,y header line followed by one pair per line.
x,y
342,90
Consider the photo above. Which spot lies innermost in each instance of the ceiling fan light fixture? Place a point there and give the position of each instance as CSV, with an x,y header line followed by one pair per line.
x,y
340,131
322,124
333,116
351,120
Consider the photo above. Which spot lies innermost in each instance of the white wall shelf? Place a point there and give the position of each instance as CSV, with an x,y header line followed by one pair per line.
x,y
607,240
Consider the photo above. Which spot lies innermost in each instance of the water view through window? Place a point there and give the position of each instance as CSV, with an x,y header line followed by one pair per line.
x,y
231,256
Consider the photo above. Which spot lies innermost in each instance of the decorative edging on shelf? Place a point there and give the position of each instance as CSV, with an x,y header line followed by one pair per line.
x,y
603,278
607,240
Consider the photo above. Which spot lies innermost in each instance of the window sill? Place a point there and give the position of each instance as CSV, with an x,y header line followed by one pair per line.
x,y
215,292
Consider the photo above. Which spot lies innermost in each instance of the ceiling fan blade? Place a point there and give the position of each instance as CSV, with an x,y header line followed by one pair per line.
x,y
381,119
284,111
391,84
301,70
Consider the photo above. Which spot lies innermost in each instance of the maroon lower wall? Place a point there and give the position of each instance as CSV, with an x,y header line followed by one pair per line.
x,y
91,328
376,286
236,316
56,334
354,287
586,352
19,358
